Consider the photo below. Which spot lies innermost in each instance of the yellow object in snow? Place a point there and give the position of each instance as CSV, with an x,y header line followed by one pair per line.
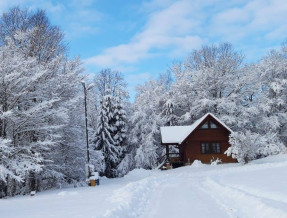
x,y
93,182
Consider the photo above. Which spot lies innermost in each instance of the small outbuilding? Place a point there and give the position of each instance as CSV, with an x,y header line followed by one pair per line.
x,y
205,140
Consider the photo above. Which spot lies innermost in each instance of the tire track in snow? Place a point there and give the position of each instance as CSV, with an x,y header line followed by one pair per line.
x,y
260,193
231,212
179,196
132,199
239,204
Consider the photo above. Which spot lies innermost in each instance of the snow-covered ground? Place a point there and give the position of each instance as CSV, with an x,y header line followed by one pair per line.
x,y
258,189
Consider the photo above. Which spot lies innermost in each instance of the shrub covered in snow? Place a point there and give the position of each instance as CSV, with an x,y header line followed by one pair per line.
x,y
248,146
216,161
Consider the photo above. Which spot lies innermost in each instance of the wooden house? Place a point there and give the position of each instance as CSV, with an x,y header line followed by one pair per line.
x,y
204,140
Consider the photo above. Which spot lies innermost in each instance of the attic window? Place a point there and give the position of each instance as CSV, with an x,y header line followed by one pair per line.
x,y
209,125
213,125
204,126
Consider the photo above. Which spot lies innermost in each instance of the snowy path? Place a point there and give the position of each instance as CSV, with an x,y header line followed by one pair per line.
x,y
203,194
183,198
255,190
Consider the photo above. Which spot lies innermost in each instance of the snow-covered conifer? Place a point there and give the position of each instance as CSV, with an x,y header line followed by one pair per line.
x,y
119,118
103,137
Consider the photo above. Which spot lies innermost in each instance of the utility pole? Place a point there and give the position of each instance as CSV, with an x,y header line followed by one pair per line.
x,y
86,122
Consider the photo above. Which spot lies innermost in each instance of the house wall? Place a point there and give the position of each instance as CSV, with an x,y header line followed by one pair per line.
x,y
192,145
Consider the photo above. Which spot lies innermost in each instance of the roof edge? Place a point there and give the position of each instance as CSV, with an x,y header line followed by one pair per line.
x,y
194,126
203,118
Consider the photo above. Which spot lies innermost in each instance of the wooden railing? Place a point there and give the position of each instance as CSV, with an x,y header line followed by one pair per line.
x,y
162,159
171,156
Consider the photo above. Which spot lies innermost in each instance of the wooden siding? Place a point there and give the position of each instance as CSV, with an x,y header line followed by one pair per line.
x,y
191,146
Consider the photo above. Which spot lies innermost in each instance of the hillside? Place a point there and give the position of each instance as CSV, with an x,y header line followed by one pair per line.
x,y
257,189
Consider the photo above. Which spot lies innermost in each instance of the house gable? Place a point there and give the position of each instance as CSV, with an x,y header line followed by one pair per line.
x,y
179,134
221,128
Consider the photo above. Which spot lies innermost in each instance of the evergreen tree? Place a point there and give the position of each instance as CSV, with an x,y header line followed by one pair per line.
x,y
103,137
119,121
113,82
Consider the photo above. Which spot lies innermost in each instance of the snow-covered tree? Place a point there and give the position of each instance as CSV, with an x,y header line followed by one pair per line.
x,y
45,40
18,112
273,95
125,165
145,122
37,93
249,146
103,137
120,119
211,80
113,82
168,113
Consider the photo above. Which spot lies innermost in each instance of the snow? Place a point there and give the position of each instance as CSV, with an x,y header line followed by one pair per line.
x,y
257,189
196,163
173,134
95,176
177,134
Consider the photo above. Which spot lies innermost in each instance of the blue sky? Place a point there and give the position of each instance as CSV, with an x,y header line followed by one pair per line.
x,y
141,38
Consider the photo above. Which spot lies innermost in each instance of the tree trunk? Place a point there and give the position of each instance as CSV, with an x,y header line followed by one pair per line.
x,y
32,182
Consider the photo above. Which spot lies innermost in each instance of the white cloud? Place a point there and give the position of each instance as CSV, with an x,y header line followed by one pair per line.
x,y
266,18
168,30
172,28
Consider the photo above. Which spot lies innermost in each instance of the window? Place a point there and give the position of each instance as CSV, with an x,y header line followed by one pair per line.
x,y
205,148
210,148
215,148
213,125
204,126
209,125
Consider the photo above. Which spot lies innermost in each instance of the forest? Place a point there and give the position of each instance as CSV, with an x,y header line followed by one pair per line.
x,y
42,114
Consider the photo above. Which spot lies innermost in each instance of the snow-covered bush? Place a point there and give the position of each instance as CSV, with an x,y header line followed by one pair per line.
x,y
215,162
248,146
243,146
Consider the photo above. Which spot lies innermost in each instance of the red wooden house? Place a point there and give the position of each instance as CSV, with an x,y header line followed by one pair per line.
x,y
204,140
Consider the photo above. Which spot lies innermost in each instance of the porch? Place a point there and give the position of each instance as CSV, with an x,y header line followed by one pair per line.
x,y
174,158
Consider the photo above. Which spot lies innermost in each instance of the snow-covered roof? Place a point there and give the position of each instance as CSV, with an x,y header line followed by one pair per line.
x,y
177,134
173,134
